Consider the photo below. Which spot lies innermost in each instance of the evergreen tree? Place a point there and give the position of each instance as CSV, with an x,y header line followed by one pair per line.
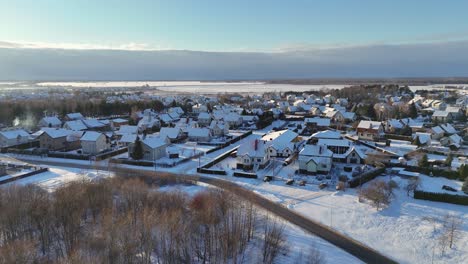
x,y
416,141
413,112
137,153
449,160
465,186
424,162
463,172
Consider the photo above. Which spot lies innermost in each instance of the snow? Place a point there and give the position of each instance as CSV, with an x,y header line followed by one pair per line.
x,y
58,176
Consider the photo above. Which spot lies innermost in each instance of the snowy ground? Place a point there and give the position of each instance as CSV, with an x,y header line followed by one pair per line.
x,y
402,231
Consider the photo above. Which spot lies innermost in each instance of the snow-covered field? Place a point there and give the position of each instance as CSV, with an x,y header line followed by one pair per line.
x,y
407,230
58,176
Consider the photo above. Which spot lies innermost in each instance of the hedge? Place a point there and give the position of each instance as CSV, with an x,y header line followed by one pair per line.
x,y
398,137
453,175
133,162
211,171
365,177
441,197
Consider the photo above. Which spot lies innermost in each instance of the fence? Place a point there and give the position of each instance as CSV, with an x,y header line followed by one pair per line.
x,y
22,146
365,177
29,174
245,175
441,197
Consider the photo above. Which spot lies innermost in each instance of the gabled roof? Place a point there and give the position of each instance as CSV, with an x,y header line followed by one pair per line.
x,y
329,134
12,134
448,128
154,142
365,124
170,132
334,142
127,129
439,113
281,139
438,130
92,123
316,150
53,120
128,138
76,125
56,132
75,116
91,136
198,132
248,148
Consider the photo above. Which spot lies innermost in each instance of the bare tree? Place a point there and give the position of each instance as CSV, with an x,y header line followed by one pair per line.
x,y
379,193
412,185
274,240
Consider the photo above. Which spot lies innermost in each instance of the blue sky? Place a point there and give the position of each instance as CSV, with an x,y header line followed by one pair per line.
x,y
241,25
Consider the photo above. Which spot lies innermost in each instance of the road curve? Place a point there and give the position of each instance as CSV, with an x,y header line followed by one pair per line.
x,y
348,244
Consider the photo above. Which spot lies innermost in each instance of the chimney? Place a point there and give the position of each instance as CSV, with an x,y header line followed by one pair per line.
x,y
256,144
320,150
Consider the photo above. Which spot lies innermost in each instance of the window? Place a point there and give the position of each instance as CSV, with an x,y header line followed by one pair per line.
x,y
259,160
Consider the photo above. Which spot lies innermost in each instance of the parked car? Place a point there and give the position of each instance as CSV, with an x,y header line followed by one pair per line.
x,y
290,182
302,183
323,186
267,178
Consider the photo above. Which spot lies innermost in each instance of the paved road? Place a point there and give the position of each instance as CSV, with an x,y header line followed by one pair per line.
x,y
346,243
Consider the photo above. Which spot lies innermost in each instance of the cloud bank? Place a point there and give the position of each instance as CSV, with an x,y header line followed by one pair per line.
x,y
445,59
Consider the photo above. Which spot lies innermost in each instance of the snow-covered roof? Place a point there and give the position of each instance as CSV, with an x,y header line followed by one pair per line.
x,y
56,132
281,139
170,132
128,138
91,136
330,134
127,129
12,134
365,124
119,120
154,142
437,130
52,120
93,123
76,125
448,128
319,121
198,132
316,150
248,148
439,113
423,137
75,116
334,142
204,115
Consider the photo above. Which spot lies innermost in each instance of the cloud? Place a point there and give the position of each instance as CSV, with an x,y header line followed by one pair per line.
x,y
438,59
80,46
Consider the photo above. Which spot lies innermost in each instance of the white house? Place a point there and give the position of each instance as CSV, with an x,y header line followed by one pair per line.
x,y
282,143
253,154
13,137
154,147
233,119
219,128
94,142
315,159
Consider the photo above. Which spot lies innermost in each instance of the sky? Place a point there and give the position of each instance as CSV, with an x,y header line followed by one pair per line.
x,y
223,39
240,25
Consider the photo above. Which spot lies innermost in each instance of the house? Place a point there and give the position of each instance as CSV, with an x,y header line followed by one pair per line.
x,y
172,133
75,125
13,137
117,123
199,108
249,120
448,128
369,130
317,123
253,154
441,116
326,134
127,139
282,143
50,121
94,142
199,134
57,139
455,111
393,125
177,110
424,138
154,148
352,156
219,128
453,141
315,159
437,132
148,123
127,129
94,124
204,119
233,120
74,116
